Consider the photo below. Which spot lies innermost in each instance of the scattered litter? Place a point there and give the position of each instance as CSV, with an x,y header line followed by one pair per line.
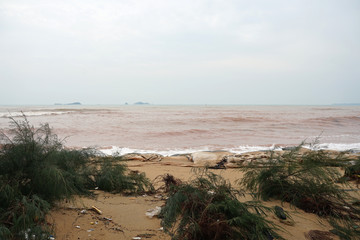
x,y
135,238
161,229
77,226
153,212
117,229
83,211
96,188
108,219
145,195
211,192
92,223
51,237
96,210
90,230
158,196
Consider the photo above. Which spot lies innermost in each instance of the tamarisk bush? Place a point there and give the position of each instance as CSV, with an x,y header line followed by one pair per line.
x,y
208,208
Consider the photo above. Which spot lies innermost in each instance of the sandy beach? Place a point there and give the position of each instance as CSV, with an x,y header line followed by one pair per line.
x,y
123,217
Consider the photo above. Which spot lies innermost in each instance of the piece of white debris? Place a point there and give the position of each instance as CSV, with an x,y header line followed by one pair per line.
x,y
153,212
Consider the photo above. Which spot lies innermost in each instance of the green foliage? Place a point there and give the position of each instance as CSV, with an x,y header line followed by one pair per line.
x,y
113,177
36,170
208,208
307,180
346,229
302,179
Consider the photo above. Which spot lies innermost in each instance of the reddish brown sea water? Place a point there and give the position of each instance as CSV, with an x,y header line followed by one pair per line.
x,y
162,128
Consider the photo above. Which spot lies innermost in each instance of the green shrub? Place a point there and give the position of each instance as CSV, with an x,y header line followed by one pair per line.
x,y
306,180
115,177
36,170
208,208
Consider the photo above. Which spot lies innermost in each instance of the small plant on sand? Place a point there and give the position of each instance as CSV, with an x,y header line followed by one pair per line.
x,y
208,208
305,179
114,176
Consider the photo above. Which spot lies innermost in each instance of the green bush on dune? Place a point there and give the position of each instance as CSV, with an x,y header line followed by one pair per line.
x,y
36,170
307,180
113,177
208,208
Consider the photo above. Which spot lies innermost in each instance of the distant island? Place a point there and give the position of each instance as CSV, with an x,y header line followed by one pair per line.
x,y
73,103
141,103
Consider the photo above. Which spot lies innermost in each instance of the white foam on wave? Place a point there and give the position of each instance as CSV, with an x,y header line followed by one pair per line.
x,y
335,146
118,151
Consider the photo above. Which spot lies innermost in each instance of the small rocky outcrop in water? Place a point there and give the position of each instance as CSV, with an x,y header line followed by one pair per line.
x,y
141,103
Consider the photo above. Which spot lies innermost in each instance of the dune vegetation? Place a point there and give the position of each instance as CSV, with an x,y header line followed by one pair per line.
x,y
36,170
208,207
311,181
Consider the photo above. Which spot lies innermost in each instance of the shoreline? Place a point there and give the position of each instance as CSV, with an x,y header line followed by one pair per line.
x,y
339,147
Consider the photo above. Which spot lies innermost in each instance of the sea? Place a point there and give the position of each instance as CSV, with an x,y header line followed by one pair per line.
x,y
173,129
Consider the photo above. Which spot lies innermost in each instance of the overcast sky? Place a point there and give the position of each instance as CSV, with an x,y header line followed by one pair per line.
x,y
179,52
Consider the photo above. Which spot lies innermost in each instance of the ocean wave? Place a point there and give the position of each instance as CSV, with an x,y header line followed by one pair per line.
x,y
33,113
119,151
342,147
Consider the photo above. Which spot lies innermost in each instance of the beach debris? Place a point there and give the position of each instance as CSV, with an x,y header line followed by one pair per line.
x,y
279,212
158,196
117,229
136,238
319,235
161,229
168,180
145,157
145,235
220,165
107,219
203,158
77,226
83,211
90,230
153,212
51,237
97,210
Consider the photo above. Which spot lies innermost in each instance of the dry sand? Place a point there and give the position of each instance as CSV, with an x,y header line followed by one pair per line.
x,y
123,217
